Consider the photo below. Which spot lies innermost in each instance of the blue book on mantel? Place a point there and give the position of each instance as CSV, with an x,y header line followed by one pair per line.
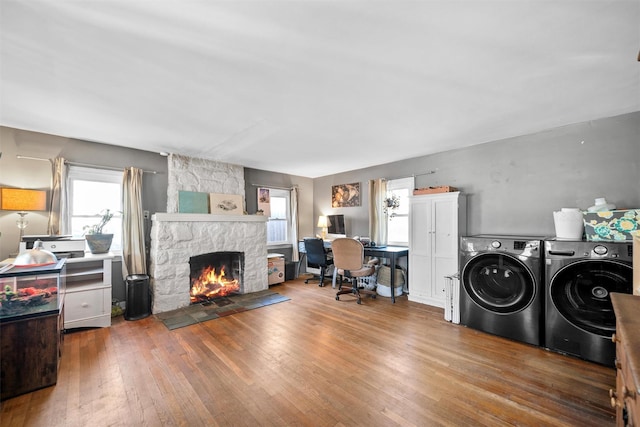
x,y
193,202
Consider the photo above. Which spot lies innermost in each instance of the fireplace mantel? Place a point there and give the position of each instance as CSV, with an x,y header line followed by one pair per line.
x,y
194,217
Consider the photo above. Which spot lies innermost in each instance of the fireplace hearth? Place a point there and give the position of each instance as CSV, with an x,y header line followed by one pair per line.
x,y
214,275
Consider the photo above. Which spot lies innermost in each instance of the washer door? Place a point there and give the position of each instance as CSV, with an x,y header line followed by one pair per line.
x,y
499,282
581,293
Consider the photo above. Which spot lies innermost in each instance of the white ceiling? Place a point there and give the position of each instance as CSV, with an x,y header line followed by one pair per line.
x,y
314,87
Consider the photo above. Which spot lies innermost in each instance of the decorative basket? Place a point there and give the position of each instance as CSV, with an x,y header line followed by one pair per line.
x,y
384,276
615,225
367,282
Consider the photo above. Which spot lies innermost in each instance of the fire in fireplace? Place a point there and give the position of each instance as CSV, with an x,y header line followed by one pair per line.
x,y
215,275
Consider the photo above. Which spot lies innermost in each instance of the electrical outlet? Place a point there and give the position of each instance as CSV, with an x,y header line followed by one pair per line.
x,y
145,214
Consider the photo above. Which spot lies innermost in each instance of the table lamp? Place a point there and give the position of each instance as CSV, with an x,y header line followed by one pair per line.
x,y
23,201
323,222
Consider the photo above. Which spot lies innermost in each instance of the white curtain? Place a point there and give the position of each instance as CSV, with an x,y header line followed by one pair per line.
x,y
59,211
133,247
295,255
377,217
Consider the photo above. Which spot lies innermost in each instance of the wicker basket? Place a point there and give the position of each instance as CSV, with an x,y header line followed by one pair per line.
x,y
384,276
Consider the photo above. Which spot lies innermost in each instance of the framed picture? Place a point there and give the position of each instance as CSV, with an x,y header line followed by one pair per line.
x,y
345,195
193,202
264,201
226,204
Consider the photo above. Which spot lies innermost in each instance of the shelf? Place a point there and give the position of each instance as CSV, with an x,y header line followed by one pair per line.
x,y
88,302
87,286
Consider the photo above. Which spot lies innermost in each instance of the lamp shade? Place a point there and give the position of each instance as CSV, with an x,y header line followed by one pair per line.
x,y
17,199
322,222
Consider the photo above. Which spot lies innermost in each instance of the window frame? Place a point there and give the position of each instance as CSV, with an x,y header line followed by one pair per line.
x,y
394,185
286,194
84,173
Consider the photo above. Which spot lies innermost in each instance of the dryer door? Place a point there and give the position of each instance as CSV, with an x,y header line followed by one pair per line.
x,y
498,282
581,292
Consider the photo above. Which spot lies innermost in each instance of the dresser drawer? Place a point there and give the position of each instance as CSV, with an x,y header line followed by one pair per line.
x,y
86,304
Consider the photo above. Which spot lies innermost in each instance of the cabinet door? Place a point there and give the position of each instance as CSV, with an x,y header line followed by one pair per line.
x,y
419,227
420,249
444,244
445,228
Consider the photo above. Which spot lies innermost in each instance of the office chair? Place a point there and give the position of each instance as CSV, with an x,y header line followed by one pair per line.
x,y
348,258
317,255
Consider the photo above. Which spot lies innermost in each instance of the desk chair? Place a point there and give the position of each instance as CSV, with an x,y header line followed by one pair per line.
x,y
348,257
317,255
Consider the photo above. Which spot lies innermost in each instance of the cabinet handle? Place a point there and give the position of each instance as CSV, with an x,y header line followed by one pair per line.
x,y
628,393
84,304
614,399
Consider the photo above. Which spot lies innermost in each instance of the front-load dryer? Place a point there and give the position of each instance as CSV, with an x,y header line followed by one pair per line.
x,y
501,286
580,277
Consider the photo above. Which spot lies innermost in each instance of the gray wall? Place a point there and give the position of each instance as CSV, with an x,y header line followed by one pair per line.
x,y
35,174
514,185
255,177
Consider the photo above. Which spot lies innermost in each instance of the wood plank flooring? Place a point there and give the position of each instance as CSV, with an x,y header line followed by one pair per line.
x,y
314,361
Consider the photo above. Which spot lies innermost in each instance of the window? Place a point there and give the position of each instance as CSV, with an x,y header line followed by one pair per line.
x,y
90,192
398,218
279,222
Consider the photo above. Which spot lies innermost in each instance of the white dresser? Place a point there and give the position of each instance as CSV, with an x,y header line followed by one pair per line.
x,y
88,298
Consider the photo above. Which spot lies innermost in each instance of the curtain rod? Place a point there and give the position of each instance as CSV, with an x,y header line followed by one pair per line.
x,y
274,187
425,173
89,165
412,176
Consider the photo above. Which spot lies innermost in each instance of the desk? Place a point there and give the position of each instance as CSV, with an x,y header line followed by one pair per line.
x,y
392,253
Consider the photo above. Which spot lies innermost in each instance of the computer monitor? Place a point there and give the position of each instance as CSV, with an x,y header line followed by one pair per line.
x,y
336,226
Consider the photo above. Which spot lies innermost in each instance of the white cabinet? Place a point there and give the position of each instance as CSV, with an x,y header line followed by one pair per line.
x,y
88,298
436,222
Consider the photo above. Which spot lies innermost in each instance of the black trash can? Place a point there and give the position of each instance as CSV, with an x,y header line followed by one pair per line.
x,y
290,270
138,297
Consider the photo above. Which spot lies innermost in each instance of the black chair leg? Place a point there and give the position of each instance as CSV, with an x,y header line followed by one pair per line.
x,y
315,276
354,289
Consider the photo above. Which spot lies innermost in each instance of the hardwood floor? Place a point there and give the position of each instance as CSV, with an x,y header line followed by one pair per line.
x,y
314,361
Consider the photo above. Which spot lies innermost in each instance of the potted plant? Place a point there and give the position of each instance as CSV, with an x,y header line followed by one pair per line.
x,y
390,204
99,242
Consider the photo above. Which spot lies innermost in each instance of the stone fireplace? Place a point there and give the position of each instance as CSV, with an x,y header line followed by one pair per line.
x,y
176,237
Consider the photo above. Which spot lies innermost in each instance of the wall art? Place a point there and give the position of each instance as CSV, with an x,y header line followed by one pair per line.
x,y
264,201
226,204
345,195
193,202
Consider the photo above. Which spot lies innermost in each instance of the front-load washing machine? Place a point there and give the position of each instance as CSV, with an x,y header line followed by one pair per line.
x,y
580,277
501,286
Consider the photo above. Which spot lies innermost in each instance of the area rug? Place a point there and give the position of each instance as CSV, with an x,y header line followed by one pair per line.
x,y
219,307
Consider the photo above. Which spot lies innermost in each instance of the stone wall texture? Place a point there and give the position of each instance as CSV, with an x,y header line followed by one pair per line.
x,y
202,175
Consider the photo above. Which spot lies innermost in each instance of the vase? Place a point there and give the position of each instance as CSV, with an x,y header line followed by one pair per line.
x,y
99,243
